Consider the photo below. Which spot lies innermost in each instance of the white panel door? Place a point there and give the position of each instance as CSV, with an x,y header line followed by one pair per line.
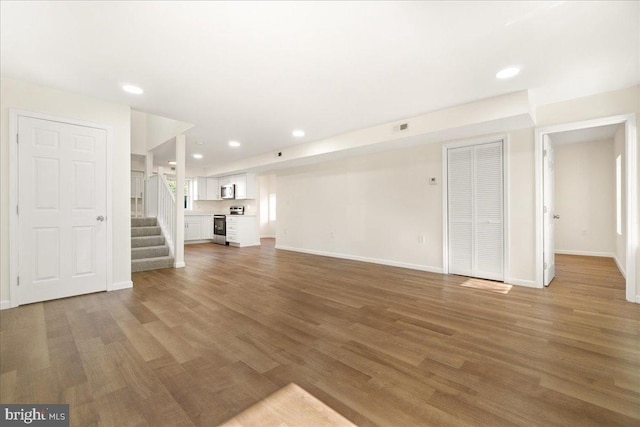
x,y
548,211
475,207
62,208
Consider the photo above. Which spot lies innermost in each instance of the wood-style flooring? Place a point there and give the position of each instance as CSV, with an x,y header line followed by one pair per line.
x,y
380,345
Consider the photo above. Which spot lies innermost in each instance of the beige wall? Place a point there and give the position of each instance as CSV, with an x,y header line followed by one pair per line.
x,y
381,207
26,96
585,198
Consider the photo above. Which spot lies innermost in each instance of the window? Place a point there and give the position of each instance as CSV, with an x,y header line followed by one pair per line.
x,y
619,195
189,191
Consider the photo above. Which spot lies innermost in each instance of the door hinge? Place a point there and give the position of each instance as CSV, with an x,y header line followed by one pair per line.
x,y
17,210
545,266
544,153
18,280
544,209
17,138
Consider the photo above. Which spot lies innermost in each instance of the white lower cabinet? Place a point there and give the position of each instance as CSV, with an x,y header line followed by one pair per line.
x,y
198,227
242,231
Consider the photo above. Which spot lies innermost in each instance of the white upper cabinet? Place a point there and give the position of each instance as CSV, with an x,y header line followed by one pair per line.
x,y
201,194
245,185
241,185
213,189
209,188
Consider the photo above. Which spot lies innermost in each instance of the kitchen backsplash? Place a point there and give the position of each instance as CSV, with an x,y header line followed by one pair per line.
x,y
222,206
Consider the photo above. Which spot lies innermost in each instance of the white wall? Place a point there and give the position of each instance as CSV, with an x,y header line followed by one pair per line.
x,y
621,241
585,198
26,96
376,207
266,187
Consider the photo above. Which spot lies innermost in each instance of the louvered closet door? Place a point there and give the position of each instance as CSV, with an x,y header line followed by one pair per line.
x,y
475,211
460,195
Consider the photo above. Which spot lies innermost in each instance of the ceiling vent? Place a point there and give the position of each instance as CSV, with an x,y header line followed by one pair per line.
x,y
402,127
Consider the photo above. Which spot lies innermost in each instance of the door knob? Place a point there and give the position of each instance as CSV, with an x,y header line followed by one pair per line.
x,y
99,218
556,217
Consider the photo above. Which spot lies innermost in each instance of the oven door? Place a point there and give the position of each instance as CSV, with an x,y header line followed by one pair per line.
x,y
220,229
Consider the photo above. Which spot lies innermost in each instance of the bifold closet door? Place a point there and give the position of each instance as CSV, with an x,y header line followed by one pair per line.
x,y
475,211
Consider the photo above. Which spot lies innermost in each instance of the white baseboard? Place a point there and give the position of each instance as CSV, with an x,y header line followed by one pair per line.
x,y
584,253
197,242
364,259
268,236
637,299
121,285
5,304
624,273
522,282
179,265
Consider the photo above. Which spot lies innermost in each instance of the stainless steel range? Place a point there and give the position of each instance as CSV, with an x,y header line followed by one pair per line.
x,y
236,210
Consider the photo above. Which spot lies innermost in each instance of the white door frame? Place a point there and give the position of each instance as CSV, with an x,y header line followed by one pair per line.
x,y
505,198
14,218
631,175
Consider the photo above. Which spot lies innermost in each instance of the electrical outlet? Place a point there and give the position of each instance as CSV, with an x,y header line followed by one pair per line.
x,y
421,239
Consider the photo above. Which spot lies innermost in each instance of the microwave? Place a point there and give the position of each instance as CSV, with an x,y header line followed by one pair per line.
x,y
228,191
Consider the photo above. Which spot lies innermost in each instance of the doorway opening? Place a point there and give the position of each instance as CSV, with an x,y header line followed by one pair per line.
x,y
596,215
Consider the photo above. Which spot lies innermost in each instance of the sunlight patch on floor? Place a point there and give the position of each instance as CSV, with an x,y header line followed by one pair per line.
x,y
501,288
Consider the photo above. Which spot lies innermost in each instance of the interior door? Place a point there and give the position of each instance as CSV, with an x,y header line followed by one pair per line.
x,y
62,208
548,211
475,206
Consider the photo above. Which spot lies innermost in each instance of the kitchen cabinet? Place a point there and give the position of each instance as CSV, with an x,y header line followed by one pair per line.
x,y
198,227
208,188
225,180
213,189
242,231
245,185
201,194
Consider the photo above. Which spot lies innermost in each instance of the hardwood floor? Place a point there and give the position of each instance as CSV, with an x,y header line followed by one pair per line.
x,y
380,345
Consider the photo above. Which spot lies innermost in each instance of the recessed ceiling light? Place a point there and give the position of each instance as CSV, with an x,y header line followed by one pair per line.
x,y
234,144
172,162
132,89
298,133
197,156
508,72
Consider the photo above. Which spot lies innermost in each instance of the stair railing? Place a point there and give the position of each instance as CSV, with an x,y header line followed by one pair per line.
x,y
161,203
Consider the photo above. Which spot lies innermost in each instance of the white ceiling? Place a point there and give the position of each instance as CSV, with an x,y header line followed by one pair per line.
x,y
254,71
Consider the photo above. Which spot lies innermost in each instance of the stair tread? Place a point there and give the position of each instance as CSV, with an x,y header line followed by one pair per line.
x,y
166,257
141,248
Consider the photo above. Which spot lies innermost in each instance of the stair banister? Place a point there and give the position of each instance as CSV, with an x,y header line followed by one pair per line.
x,y
161,204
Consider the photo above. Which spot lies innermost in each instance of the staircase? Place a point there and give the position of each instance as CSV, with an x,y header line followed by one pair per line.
x,y
148,248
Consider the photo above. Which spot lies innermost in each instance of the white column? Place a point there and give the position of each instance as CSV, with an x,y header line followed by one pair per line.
x,y
180,173
148,171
